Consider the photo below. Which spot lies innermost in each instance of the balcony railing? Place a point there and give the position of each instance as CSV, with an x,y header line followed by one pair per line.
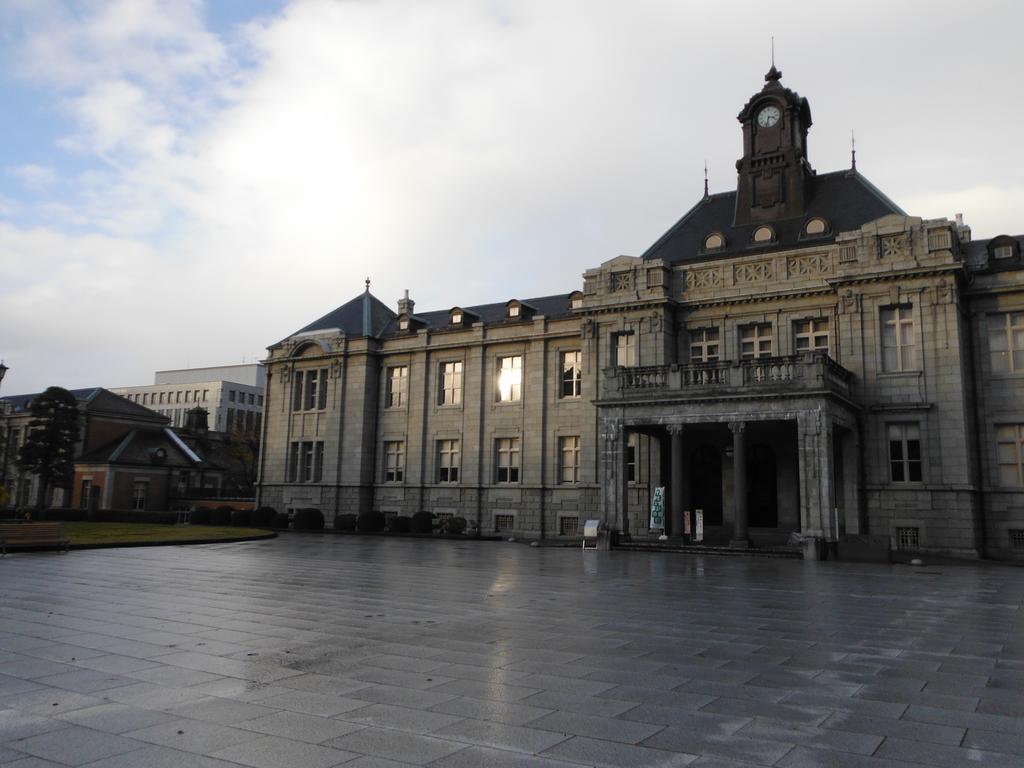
x,y
811,371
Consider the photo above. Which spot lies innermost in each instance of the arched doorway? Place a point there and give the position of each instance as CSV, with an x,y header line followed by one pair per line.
x,y
762,487
706,483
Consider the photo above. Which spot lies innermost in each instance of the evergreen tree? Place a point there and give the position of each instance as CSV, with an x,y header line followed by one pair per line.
x,y
49,447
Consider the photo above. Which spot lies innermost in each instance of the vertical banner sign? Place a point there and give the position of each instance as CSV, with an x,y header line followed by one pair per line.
x,y
686,522
658,509
698,534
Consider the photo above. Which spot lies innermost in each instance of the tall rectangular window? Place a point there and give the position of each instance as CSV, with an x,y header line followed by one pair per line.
x,y
231,396
507,459
510,379
447,461
297,383
899,348
397,378
572,374
316,390
83,501
139,490
625,349
756,341
1010,454
394,461
306,468
309,390
306,461
631,446
811,335
450,389
704,345
904,453
1006,342
569,459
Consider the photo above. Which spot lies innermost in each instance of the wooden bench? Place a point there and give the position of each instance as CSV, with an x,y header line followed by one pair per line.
x,y
32,535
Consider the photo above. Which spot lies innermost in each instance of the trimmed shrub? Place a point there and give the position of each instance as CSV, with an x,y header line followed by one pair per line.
x,y
345,522
221,516
401,524
200,516
280,521
370,522
423,522
241,517
262,517
454,526
309,519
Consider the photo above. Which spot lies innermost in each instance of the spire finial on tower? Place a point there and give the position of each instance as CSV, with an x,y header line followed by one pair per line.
x,y
705,178
774,75
367,285
853,151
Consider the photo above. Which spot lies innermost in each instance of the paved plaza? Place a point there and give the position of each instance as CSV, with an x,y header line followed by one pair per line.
x,y
369,652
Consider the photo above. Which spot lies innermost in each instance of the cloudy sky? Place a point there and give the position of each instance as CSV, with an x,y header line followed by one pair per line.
x,y
183,183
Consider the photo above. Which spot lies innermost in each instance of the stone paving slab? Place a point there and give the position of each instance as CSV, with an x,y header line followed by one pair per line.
x,y
375,653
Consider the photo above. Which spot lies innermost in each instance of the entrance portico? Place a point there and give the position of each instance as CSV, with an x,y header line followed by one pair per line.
x,y
761,464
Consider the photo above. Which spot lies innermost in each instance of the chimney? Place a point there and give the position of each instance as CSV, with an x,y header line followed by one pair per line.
x,y
405,305
962,230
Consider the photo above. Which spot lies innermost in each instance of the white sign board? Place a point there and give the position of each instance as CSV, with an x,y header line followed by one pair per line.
x,y
698,528
658,509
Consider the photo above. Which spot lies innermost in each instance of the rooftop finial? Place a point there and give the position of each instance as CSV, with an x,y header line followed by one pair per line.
x,y
853,151
705,178
774,75
367,285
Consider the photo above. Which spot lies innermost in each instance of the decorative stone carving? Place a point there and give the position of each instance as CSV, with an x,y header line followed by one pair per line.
x,y
756,272
847,301
621,281
589,329
809,265
894,246
703,278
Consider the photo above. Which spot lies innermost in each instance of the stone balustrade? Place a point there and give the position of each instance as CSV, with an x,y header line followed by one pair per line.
x,y
806,372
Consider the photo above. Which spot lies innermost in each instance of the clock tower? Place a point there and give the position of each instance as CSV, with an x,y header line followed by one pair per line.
x,y
774,173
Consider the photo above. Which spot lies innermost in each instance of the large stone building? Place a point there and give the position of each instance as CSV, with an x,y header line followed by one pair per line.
x,y
796,356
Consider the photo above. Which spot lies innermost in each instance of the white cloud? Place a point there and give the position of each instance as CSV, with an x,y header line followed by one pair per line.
x,y
35,177
468,151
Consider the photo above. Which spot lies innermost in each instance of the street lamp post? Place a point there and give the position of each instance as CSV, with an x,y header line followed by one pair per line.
x,y
7,432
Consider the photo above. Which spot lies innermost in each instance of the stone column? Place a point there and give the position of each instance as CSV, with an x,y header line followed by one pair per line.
x,y
739,484
624,478
612,469
675,490
816,492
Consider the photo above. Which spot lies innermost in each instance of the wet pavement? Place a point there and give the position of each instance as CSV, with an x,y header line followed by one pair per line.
x,y
369,652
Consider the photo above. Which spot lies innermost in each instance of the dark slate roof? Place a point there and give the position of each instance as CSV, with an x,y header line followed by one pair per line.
x,y
94,400
977,250
845,199
354,316
552,307
138,447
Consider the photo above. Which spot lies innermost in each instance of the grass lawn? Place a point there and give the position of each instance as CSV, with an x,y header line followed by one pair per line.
x,y
131,533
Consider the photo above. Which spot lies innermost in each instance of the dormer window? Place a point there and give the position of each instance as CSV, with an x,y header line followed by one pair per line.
x,y
764,235
714,242
816,226
403,323
513,311
456,318
575,300
1002,248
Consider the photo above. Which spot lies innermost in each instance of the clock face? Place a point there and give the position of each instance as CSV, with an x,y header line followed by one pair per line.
x,y
768,117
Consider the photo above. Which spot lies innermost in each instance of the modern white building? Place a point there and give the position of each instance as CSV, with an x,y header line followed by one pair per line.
x,y
232,394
